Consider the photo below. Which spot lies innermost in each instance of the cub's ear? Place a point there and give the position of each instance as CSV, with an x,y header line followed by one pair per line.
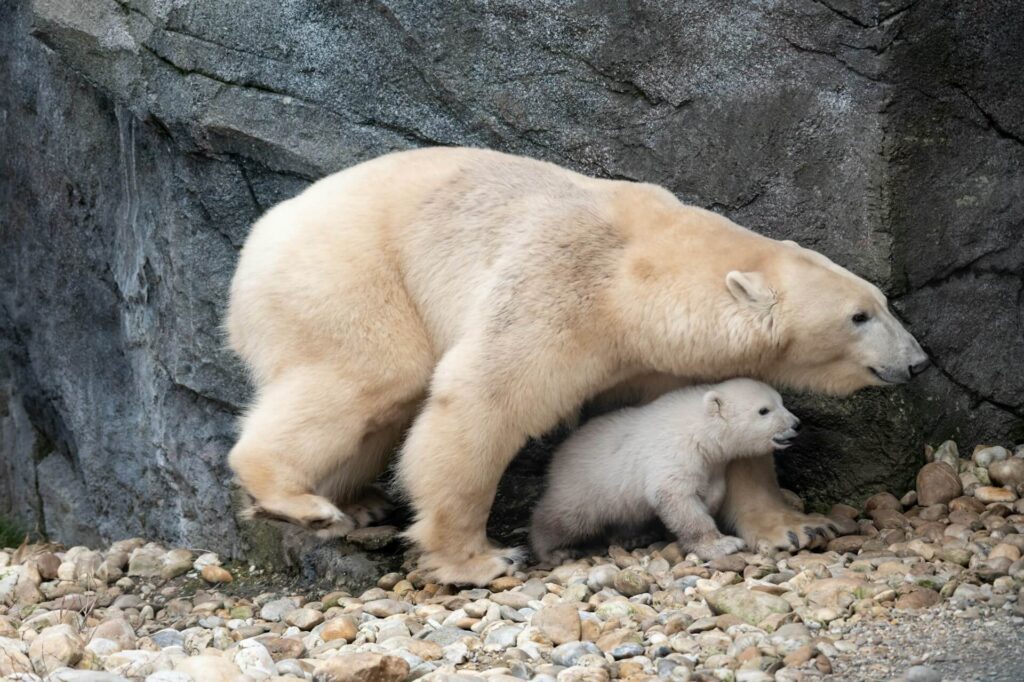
x,y
790,242
713,404
750,288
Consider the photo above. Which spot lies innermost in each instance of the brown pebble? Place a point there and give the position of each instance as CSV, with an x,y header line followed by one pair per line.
x,y
882,501
886,518
215,574
918,599
937,483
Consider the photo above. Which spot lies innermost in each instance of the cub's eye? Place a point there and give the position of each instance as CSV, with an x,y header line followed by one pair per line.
x,y
763,411
860,318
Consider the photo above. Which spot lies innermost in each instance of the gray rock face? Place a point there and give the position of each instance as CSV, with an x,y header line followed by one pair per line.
x,y
143,137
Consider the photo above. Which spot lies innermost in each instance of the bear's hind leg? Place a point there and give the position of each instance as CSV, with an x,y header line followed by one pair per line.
x,y
351,484
306,429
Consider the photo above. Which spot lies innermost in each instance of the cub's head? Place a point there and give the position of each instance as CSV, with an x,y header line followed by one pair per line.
x,y
751,417
834,330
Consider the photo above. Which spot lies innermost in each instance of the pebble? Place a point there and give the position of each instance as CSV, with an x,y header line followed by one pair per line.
x,y
55,647
304,619
342,627
990,494
568,654
1008,472
630,582
937,483
749,605
558,622
215,574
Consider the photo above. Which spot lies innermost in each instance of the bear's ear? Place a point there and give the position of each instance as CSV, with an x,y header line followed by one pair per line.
x,y
790,242
750,287
713,404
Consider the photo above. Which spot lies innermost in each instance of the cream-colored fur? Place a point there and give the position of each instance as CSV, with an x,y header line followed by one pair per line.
x,y
486,296
665,459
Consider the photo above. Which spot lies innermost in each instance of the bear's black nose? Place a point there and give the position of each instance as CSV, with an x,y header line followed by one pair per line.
x,y
919,367
796,425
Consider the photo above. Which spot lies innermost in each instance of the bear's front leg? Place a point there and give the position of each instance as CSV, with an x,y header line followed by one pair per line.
x,y
689,519
755,508
487,397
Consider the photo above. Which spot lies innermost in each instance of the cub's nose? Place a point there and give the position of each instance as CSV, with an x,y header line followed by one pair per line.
x,y
920,366
796,424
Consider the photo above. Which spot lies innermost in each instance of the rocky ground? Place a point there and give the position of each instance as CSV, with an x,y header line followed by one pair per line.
x,y
926,587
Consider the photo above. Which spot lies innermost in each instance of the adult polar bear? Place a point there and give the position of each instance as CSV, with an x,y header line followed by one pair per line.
x,y
483,297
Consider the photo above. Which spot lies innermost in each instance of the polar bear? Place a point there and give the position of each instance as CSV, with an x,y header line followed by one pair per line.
x,y
666,459
482,297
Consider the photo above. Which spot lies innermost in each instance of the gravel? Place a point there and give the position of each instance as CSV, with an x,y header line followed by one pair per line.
x,y
923,592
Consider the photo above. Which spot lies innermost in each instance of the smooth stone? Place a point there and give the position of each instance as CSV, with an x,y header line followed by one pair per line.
x,y
304,619
212,573
885,519
568,654
948,453
937,483
750,605
918,599
627,650
559,622
361,668
845,510
55,647
276,609
631,582
882,500
990,494
601,576
168,637
967,503
342,627
502,637
118,630
847,543
985,456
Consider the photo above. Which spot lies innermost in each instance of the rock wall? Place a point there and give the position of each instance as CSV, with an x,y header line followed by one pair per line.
x,y
142,138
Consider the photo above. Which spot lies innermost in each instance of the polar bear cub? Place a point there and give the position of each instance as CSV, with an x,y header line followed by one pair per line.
x,y
665,459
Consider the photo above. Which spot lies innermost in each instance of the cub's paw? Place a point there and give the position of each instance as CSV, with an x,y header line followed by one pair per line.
x,y
787,530
478,569
718,547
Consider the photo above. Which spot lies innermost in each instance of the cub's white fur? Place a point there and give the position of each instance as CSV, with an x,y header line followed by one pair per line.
x,y
666,459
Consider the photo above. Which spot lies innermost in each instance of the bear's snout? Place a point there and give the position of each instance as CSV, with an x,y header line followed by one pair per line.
x,y
920,366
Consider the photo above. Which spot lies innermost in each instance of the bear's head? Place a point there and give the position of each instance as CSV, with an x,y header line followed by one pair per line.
x,y
834,331
750,417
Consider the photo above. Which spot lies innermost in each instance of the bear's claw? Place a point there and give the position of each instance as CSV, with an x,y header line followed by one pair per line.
x,y
787,530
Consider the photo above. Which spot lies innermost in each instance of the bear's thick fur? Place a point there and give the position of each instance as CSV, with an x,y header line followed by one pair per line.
x,y
482,297
665,459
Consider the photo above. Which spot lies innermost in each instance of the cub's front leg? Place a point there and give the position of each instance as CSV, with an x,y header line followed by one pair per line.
x,y
687,516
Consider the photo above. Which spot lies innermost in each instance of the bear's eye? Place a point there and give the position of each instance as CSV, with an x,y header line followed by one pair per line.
x,y
860,318
763,411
